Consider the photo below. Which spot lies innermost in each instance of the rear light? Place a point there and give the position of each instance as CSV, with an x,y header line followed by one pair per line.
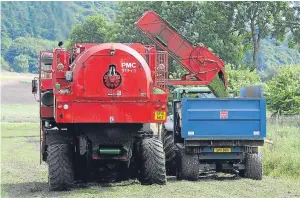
x,y
163,107
157,107
59,106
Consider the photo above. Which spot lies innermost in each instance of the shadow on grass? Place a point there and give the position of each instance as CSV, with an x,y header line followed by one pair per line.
x,y
209,176
23,189
34,189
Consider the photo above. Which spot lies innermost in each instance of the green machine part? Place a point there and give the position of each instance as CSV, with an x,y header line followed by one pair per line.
x,y
178,92
218,88
110,151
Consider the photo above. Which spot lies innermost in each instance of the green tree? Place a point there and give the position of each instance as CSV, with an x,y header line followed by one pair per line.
x,y
4,65
30,47
214,26
257,20
238,78
21,63
5,44
284,91
92,30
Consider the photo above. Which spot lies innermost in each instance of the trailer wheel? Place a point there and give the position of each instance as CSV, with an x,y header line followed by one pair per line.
x,y
60,167
153,169
188,166
169,148
253,166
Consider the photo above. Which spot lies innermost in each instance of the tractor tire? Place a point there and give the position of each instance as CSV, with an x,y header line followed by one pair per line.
x,y
169,148
253,166
188,166
153,169
60,167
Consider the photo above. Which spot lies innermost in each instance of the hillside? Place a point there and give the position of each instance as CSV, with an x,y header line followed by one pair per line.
x,y
272,54
48,20
27,27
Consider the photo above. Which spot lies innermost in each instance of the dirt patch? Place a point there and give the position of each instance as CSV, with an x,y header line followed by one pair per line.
x,y
16,92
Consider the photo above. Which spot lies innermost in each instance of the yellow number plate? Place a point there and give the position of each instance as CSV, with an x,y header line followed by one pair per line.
x,y
222,150
160,115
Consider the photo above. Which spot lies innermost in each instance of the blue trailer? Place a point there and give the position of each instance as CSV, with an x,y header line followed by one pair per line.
x,y
222,134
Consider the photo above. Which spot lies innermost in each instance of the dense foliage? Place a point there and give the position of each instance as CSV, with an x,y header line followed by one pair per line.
x,y
23,53
48,20
284,91
96,26
238,78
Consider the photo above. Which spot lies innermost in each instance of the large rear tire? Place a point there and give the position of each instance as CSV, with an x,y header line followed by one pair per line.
x,y
153,169
170,151
188,166
254,166
60,167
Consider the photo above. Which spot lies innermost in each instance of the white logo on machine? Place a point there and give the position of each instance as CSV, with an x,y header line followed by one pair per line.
x,y
191,133
128,67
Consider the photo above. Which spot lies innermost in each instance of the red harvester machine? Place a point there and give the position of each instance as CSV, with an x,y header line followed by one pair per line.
x,y
97,102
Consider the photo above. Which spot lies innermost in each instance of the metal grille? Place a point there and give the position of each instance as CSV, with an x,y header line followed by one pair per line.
x,y
46,70
46,73
161,71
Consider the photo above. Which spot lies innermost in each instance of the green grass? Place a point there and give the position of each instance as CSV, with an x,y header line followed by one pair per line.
x,y
19,129
282,159
23,176
12,111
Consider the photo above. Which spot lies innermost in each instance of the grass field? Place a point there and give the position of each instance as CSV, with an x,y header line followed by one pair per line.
x,y
23,176
283,157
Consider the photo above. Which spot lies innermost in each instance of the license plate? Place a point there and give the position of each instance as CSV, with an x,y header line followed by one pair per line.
x,y
222,150
160,115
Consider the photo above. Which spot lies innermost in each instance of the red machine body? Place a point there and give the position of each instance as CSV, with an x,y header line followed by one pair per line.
x,y
107,83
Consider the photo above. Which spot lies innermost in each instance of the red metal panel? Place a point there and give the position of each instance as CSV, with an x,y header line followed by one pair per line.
x,y
199,61
93,66
46,112
45,84
95,112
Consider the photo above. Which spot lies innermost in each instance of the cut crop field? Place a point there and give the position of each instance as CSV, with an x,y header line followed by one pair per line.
x,y
23,176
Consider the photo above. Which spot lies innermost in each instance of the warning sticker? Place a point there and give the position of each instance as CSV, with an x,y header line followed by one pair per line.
x,y
224,114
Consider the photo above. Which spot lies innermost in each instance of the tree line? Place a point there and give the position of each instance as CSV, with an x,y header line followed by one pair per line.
x,y
228,28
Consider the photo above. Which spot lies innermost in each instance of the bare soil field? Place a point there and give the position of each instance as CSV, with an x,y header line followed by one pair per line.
x,y
17,102
16,92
